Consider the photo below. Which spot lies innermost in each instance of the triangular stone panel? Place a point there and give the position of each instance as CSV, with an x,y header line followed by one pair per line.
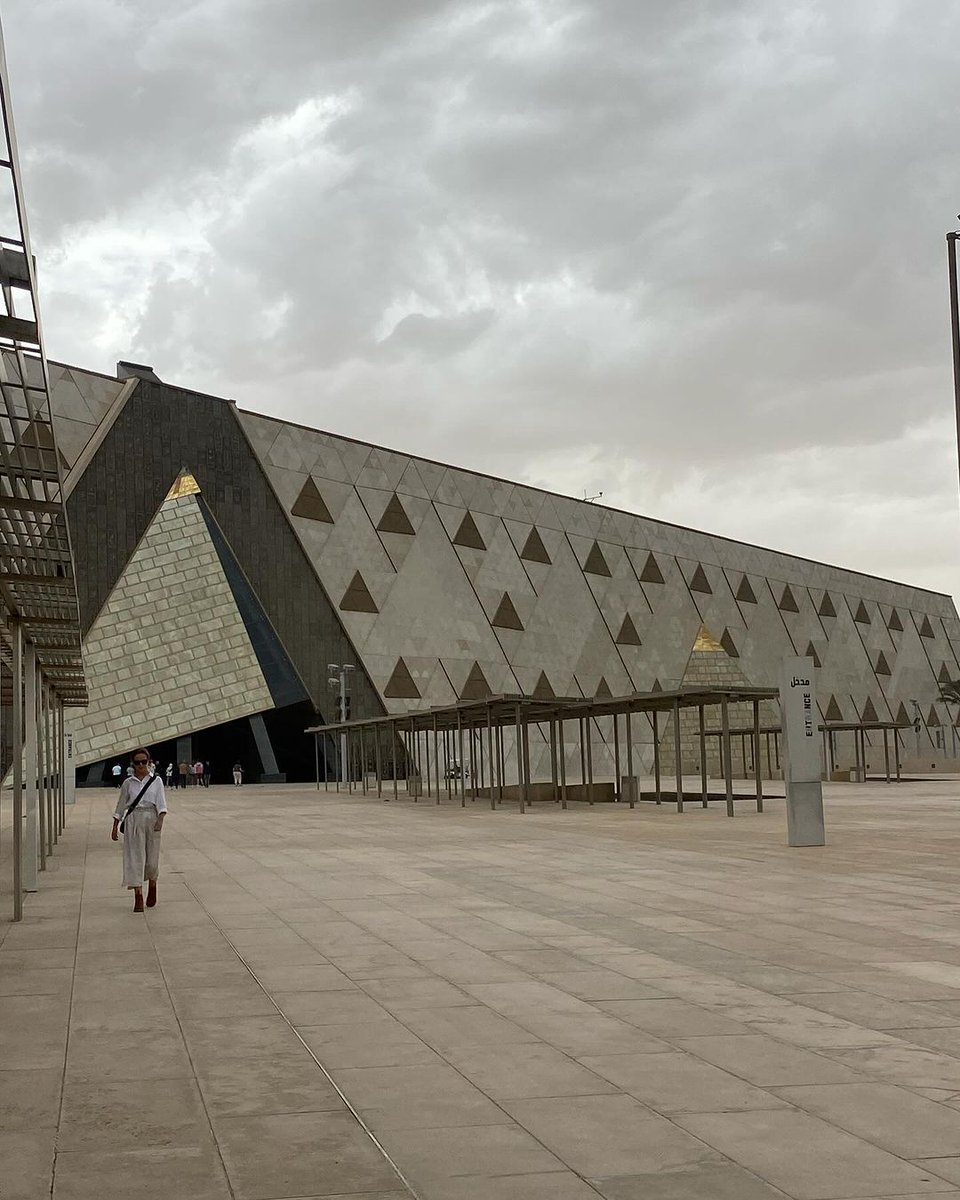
x,y
826,608
656,686
933,721
895,623
651,572
700,582
926,629
310,503
544,689
469,535
787,601
628,635
603,690
869,712
727,642
861,616
596,564
395,519
833,712
882,667
506,616
902,717
745,593
534,550
357,597
812,653
943,675
476,687
400,685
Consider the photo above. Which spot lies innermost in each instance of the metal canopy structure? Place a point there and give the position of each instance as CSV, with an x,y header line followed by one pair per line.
x,y
40,646
37,586
423,733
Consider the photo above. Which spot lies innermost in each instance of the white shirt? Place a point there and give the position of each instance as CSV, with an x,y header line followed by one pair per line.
x,y
154,797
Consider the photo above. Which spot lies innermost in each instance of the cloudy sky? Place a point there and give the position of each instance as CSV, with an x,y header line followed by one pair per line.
x,y
689,254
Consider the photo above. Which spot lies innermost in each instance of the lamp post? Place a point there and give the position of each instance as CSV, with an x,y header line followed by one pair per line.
x,y
339,675
955,326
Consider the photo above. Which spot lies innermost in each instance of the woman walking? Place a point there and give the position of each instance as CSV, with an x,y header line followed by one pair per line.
x,y
141,808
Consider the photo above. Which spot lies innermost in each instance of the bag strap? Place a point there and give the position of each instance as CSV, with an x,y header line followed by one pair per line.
x,y
136,800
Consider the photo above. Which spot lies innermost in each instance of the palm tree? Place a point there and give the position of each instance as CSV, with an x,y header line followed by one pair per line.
x,y
950,691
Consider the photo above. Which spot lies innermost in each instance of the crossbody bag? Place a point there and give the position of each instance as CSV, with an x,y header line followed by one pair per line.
x,y
135,801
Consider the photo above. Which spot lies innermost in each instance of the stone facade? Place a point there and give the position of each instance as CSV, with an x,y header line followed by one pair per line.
x,y
441,583
169,652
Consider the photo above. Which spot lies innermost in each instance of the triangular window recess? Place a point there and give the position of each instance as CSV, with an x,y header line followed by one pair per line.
x,y
812,653
706,641
506,616
833,712
745,593
729,645
902,718
310,504
788,602
544,689
628,635
869,712
476,687
861,616
926,629
395,519
603,690
651,572
657,686
944,674
469,535
826,608
933,720
700,582
895,623
534,550
357,597
596,564
882,667
400,686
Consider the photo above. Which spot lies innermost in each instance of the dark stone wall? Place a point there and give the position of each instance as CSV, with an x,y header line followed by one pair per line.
x,y
161,431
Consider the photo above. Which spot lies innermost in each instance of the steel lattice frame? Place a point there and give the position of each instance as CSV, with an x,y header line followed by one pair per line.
x,y
37,584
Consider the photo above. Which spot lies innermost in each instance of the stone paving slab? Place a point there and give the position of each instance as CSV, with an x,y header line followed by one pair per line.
x,y
338,997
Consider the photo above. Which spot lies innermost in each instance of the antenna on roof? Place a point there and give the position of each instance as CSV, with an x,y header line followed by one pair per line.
x,y
590,499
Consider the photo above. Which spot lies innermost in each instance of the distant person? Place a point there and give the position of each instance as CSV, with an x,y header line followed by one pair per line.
x,y
169,774
141,808
183,771
206,774
117,772
197,773
129,770
237,773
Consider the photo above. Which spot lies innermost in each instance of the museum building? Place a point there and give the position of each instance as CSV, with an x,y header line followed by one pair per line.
x,y
227,561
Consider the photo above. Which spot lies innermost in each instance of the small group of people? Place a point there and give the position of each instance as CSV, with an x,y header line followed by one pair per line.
x,y
187,774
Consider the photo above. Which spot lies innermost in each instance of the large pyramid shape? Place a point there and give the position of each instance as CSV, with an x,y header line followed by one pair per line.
x,y
172,594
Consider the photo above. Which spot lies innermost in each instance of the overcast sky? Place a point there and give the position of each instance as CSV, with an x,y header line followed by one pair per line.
x,y
689,254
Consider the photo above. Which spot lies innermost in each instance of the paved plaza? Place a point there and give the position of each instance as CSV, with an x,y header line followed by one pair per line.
x,y
341,997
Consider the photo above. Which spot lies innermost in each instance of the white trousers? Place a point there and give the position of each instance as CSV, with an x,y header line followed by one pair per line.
x,y
141,847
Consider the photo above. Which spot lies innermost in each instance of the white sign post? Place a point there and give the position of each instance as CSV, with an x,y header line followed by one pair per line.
x,y
801,753
69,763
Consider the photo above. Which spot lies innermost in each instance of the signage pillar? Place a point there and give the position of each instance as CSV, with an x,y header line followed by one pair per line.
x,y
801,753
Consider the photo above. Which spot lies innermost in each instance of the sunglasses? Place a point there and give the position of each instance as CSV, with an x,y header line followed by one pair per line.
x,y
141,762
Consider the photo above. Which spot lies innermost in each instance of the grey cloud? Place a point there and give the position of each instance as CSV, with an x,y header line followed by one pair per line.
x,y
687,249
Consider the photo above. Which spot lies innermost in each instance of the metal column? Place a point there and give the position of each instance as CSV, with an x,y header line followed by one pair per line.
x,y
656,757
16,637
725,754
678,764
756,754
34,840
